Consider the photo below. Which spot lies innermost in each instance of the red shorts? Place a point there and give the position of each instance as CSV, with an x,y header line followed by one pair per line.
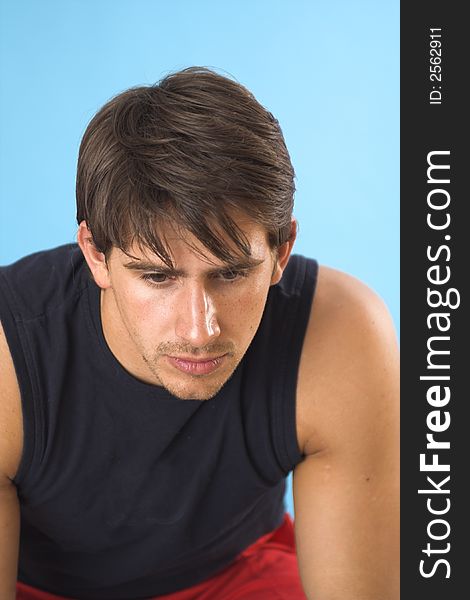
x,y
266,570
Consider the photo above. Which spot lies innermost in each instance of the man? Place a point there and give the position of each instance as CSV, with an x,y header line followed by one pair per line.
x,y
161,379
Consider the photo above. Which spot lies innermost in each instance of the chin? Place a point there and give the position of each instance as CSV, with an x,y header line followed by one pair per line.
x,y
189,387
193,392
192,387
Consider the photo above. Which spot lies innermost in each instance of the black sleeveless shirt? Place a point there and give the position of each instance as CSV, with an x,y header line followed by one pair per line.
x,y
126,491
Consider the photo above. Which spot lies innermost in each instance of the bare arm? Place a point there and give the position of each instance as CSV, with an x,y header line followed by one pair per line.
x,y
9,538
11,441
346,491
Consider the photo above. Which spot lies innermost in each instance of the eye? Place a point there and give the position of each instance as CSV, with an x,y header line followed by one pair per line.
x,y
232,275
155,278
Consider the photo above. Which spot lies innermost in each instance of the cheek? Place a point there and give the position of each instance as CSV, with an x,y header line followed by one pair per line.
x,y
152,314
242,312
144,311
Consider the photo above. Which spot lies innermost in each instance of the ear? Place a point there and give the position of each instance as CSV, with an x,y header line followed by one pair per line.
x,y
96,260
283,254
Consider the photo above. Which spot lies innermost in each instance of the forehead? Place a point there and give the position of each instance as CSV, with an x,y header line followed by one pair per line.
x,y
183,246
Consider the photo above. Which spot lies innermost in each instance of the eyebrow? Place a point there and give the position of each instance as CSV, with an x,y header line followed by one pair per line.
x,y
237,265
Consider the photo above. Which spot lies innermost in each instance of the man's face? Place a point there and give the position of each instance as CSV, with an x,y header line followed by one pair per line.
x,y
186,329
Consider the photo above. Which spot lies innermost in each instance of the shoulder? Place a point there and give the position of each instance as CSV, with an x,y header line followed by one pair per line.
x,y
35,283
11,423
349,360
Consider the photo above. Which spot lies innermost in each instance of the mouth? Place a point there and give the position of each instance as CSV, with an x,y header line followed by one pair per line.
x,y
196,366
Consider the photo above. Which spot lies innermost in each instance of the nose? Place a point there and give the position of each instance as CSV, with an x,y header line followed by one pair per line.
x,y
197,319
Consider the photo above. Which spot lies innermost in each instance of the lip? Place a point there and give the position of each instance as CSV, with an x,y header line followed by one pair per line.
x,y
196,366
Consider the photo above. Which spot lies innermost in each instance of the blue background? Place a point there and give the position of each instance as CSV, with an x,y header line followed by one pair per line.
x,y
329,71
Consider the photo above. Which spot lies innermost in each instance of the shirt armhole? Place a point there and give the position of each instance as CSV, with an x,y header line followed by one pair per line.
x,y
294,327
15,336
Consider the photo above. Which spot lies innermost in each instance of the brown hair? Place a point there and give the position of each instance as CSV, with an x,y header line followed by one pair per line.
x,y
194,149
